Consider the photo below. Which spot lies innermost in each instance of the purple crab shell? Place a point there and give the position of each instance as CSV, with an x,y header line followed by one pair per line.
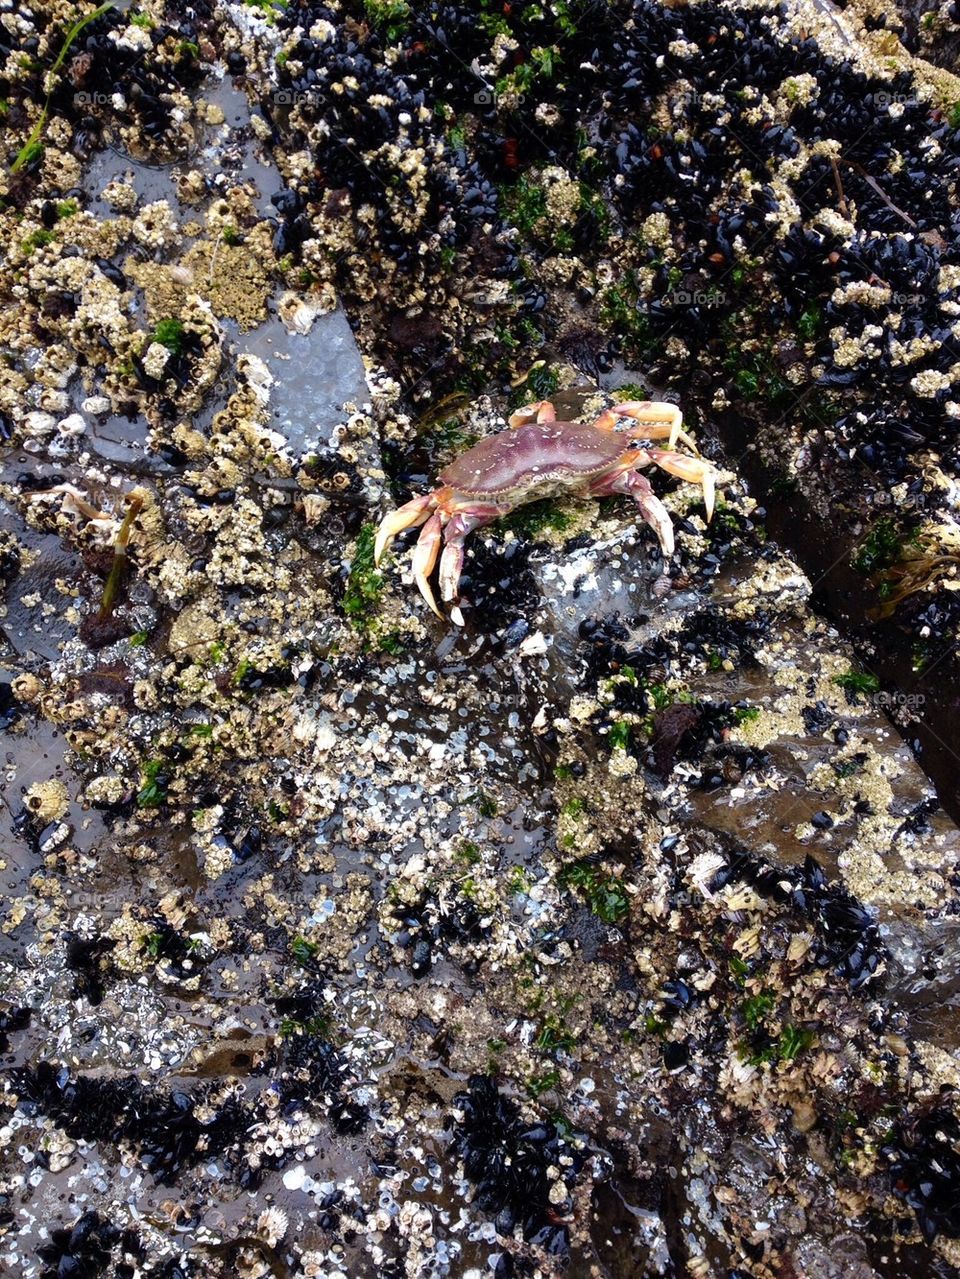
x,y
534,454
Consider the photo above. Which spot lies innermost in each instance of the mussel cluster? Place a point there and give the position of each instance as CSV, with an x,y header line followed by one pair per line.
x,y
686,730
87,958
314,1074
10,708
507,1161
110,82
848,938
924,1160
11,1021
892,161
160,1125
164,1126
85,1249
376,147
609,645
430,925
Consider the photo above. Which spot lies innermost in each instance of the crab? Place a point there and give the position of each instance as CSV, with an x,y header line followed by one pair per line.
x,y
539,457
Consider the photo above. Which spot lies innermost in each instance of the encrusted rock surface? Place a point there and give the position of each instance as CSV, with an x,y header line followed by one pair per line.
x,y
612,934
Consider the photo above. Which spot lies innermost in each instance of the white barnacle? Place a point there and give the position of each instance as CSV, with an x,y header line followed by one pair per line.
x,y
155,360
298,313
272,1225
72,426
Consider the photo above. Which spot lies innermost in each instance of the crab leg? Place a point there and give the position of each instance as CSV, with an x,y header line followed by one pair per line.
x,y
408,516
461,524
693,469
74,503
425,556
638,487
542,411
451,561
659,421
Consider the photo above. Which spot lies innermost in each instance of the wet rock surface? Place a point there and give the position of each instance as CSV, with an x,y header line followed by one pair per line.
x,y
612,933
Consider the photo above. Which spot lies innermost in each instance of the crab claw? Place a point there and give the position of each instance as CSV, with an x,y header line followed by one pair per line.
x,y
425,556
692,469
542,411
407,516
451,561
638,486
657,516
451,565
659,421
